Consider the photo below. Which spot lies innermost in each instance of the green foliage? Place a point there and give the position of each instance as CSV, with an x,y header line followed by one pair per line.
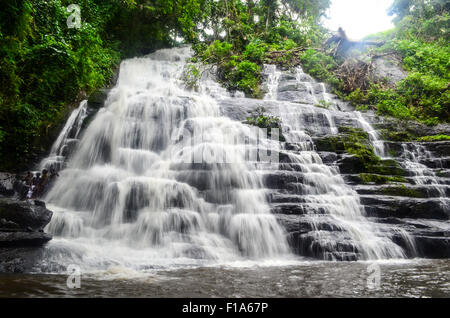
x,y
235,72
434,138
247,77
324,104
44,65
246,32
421,40
261,120
191,76
320,66
420,97
417,8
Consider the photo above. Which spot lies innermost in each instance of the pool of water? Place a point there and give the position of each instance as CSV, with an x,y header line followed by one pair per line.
x,y
412,278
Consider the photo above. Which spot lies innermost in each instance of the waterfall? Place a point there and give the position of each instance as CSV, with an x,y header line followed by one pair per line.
x,y
328,202
166,176
161,178
412,156
377,143
67,139
272,81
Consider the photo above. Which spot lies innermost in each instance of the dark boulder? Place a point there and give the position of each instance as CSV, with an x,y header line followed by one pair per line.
x,y
351,164
439,148
433,247
26,215
22,224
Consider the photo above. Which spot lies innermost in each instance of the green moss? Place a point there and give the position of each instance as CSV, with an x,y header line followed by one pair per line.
x,y
434,138
387,167
356,142
397,136
380,179
324,104
354,133
402,191
330,143
261,120
443,173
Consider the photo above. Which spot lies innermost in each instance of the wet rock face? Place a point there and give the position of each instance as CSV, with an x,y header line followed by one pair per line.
x,y
24,215
22,223
19,259
16,239
388,68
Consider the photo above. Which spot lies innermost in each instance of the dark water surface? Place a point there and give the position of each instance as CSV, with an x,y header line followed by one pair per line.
x,y
417,278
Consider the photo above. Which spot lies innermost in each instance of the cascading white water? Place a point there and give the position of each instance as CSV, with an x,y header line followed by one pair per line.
x,y
66,139
272,81
325,196
135,194
305,80
377,143
413,153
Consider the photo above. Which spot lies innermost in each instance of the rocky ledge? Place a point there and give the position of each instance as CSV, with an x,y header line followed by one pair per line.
x,y
22,223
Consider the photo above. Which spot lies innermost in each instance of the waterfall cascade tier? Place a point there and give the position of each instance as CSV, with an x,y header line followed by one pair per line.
x,y
140,189
330,213
413,212
318,188
146,185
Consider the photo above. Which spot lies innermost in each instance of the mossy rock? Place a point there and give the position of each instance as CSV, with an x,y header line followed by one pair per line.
x,y
387,170
97,98
434,138
403,191
389,163
355,132
387,167
367,178
443,173
397,136
330,144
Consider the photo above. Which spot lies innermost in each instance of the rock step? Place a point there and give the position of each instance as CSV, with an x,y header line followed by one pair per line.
x,y
400,207
324,245
308,223
304,208
404,190
356,179
298,208
433,247
19,239
437,149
